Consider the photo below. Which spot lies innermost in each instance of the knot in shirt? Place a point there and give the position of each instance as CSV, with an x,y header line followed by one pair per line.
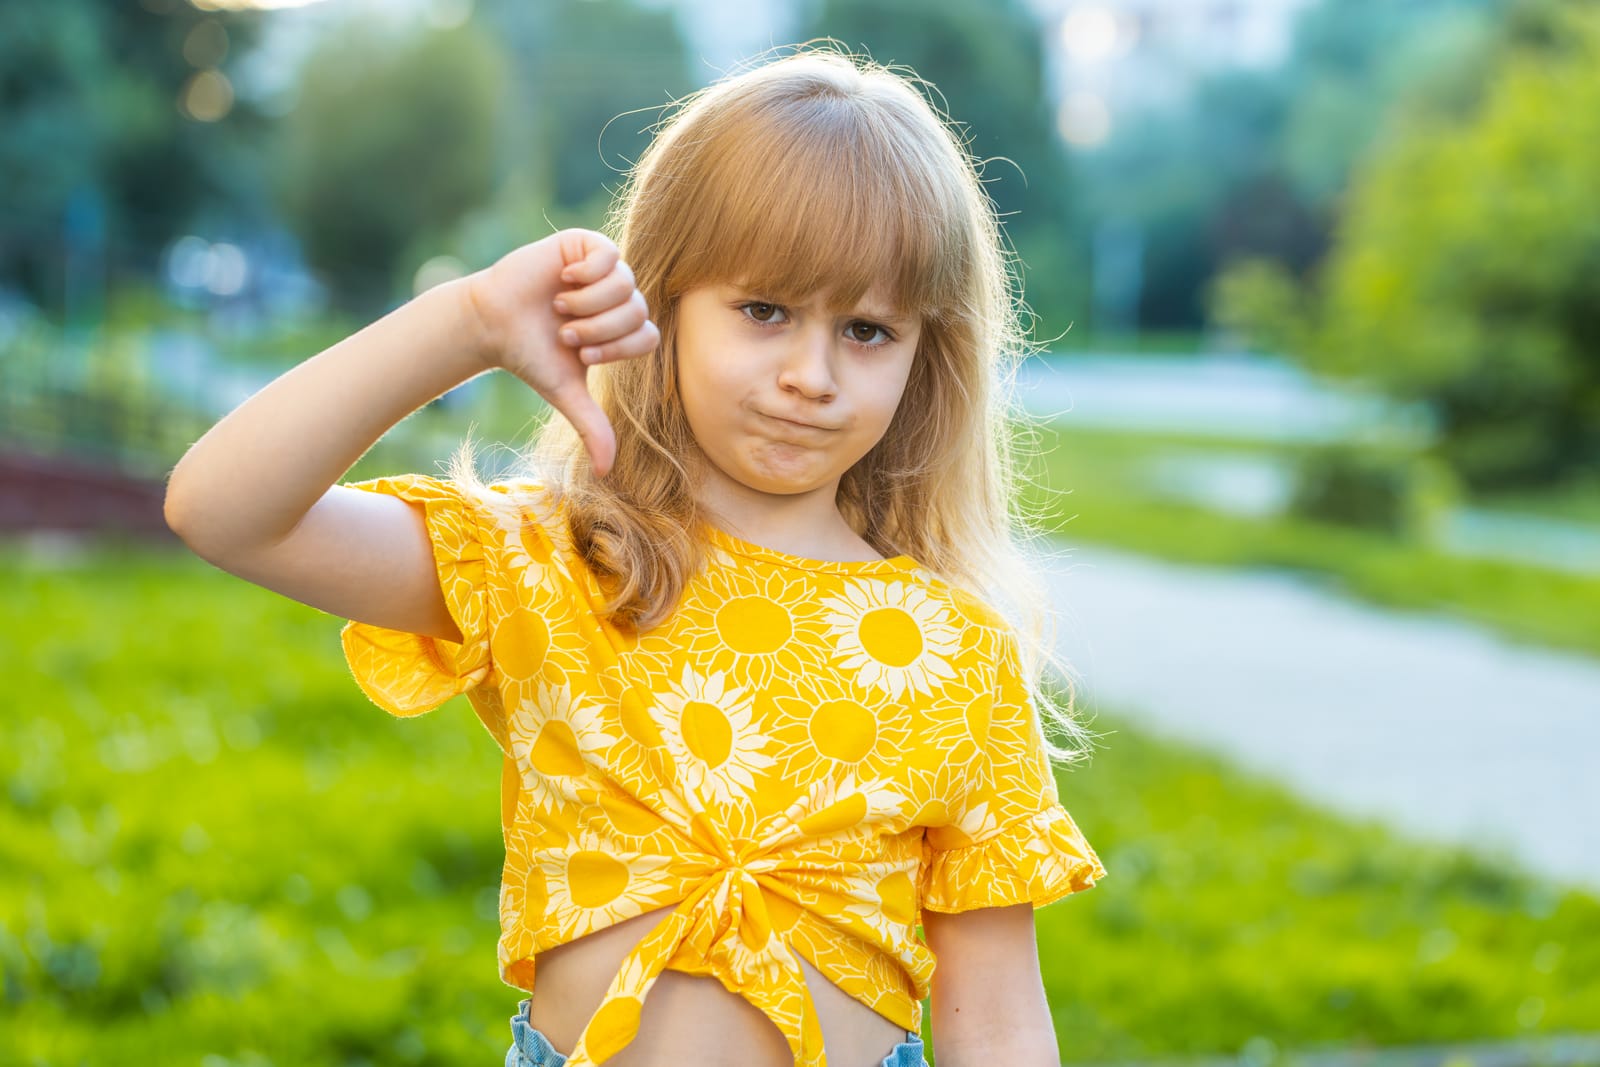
x,y
722,928
735,922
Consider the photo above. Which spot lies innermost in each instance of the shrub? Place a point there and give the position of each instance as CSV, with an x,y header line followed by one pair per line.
x,y
1405,495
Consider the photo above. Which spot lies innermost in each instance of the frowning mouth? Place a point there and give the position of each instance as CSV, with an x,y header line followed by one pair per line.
x,y
792,422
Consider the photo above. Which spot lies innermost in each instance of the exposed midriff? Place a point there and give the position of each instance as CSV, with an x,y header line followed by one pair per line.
x,y
691,1018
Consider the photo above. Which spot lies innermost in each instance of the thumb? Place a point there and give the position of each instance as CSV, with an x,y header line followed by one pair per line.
x,y
587,417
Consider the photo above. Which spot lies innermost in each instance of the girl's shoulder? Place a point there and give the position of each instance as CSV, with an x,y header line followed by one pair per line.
x,y
522,516
522,490
971,607
521,498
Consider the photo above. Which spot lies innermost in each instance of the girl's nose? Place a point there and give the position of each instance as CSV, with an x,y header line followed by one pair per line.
x,y
808,363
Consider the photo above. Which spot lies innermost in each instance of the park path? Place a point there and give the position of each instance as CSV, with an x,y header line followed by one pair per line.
x,y
1437,726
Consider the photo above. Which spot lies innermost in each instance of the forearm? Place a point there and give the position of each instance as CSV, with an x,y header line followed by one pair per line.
x,y
251,477
1019,1047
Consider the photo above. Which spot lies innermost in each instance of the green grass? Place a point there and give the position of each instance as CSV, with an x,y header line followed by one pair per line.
x,y
1088,492
221,846
1150,342
215,845
1578,501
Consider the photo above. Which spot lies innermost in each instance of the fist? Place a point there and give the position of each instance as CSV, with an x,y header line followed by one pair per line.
x,y
550,310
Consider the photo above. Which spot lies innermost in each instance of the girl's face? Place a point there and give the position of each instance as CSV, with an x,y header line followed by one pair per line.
x,y
745,366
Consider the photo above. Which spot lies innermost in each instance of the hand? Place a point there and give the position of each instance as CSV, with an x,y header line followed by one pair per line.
x,y
521,326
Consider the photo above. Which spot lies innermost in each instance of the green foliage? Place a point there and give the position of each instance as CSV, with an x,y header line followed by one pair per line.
x,y
593,75
216,846
1355,59
1398,494
97,395
89,114
588,78
1262,303
93,394
504,130
388,147
1467,270
1253,163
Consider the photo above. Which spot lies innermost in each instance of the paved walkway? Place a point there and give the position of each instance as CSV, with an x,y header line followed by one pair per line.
x,y
1438,726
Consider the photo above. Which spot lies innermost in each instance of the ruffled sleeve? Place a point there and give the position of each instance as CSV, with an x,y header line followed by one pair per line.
x,y
408,674
1039,858
1013,842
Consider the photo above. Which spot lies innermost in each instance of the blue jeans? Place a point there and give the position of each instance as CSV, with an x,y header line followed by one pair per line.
x,y
530,1048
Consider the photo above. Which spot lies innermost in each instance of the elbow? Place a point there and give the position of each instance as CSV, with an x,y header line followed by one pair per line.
x,y
178,513
171,513
210,528
175,512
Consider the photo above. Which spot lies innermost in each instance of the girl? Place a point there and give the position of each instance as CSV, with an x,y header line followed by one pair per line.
x,y
726,625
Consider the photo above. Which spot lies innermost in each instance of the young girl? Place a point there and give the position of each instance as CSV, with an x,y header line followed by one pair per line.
x,y
729,624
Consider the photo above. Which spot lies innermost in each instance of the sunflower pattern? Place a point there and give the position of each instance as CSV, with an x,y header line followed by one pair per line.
x,y
805,757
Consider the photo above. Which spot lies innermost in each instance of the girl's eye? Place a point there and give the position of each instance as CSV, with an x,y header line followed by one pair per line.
x,y
872,328
758,304
860,324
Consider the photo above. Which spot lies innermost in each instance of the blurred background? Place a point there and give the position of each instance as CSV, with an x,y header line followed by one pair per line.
x,y
1316,439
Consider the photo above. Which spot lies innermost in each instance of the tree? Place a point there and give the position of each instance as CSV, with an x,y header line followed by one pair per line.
x,y
591,75
93,125
1274,148
388,145
1466,270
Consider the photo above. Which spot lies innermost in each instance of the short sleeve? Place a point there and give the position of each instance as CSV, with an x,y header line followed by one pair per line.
x,y
1013,842
408,674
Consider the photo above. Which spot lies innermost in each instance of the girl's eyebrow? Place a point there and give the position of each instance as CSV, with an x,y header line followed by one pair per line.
x,y
869,313
884,316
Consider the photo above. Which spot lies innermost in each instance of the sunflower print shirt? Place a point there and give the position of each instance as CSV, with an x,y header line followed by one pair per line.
x,y
805,756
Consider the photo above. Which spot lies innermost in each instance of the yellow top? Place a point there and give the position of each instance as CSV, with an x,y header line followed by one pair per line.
x,y
801,758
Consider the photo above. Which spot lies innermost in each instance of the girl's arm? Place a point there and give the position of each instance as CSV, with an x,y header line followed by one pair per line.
x,y
988,1003
255,495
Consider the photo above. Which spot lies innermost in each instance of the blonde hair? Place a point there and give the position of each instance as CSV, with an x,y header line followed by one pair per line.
x,y
818,172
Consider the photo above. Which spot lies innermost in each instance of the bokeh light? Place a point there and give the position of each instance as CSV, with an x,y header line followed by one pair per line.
x,y
1091,33
437,271
1084,120
206,45
207,96
220,268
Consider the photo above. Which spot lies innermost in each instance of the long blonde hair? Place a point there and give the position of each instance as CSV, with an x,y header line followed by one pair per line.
x,y
817,172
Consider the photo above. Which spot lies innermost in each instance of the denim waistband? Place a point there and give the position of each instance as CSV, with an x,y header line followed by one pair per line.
x,y
530,1048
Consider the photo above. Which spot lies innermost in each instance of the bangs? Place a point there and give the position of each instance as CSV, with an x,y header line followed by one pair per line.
x,y
822,198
